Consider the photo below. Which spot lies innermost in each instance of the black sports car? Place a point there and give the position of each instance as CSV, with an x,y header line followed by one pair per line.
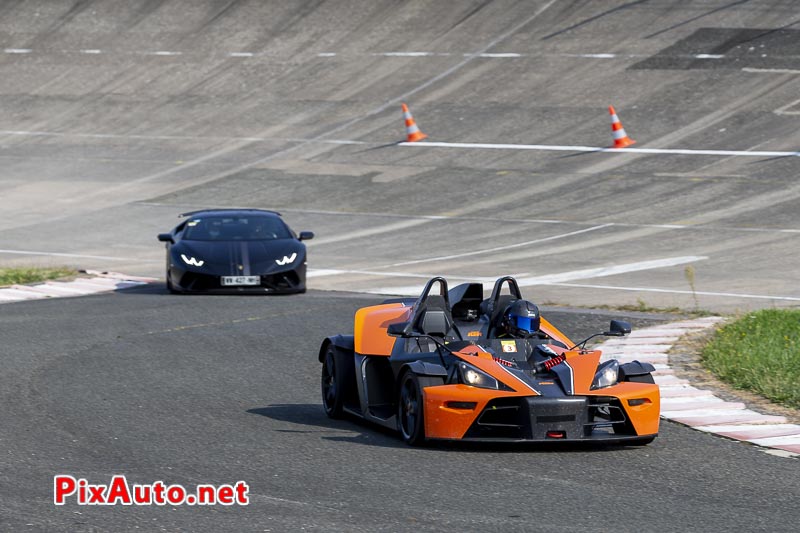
x,y
235,251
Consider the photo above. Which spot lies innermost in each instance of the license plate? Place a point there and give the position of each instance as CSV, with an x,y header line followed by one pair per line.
x,y
236,281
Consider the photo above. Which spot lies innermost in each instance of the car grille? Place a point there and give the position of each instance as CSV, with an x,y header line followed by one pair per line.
x,y
281,281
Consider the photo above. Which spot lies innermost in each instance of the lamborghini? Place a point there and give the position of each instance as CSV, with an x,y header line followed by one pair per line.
x,y
435,368
235,251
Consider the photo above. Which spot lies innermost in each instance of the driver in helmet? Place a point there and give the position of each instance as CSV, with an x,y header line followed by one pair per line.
x,y
520,321
518,333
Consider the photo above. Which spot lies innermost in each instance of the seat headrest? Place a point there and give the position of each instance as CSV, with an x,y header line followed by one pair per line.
x,y
435,324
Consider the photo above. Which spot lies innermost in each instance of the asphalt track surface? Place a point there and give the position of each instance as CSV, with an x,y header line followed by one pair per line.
x,y
115,116
196,390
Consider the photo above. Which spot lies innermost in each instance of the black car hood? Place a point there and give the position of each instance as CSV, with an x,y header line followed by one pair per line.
x,y
239,258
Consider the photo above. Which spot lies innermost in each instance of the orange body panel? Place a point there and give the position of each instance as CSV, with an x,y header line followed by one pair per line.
x,y
371,324
554,333
584,366
442,422
644,417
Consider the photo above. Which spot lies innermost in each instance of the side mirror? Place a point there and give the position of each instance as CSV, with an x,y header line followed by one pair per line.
x,y
306,235
398,329
165,237
618,328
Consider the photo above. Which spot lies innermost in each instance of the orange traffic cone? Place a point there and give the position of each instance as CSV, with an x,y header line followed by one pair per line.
x,y
621,139
413,132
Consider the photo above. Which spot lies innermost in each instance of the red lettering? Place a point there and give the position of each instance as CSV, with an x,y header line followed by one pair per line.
x,y
82,491
142,494
119,491
175,494
63,486
158,492
225,495
96,494
206,495
241,493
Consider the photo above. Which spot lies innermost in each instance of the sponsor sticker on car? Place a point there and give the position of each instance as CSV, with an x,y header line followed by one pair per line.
x,y
509,346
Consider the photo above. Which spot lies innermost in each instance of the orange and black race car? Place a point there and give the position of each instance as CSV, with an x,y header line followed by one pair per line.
x,y
443,366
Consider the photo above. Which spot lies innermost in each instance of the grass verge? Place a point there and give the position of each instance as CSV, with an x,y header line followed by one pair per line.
x,y
12,276
759,352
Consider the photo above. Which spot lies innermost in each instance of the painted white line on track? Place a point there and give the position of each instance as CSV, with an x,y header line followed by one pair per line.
x,y
176,137
771,70
703,227
615,270
92,51
326,54
557,280
550,279
338,271
568,148
59,254
676,291
241,54
320,141
784,110
369,232
18,50
498,55
322,272
593,56
403,54
497,248
164,53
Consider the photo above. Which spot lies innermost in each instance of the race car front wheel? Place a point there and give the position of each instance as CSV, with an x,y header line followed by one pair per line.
x,y
170,286
332,381
411,407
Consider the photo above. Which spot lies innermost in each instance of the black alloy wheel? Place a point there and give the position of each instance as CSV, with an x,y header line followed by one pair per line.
x,y
331,381
411,406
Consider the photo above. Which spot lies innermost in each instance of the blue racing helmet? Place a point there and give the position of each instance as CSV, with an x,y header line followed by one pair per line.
x,y
521,319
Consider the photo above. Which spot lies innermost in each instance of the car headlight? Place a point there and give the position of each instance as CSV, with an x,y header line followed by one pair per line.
x,y
287,259
192,261
606,375
469,375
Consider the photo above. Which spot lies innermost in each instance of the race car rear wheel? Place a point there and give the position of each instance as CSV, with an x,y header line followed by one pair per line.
x,y
411,406
332,381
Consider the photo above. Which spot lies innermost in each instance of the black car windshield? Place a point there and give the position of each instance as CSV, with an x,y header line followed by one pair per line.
x,y
235,228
